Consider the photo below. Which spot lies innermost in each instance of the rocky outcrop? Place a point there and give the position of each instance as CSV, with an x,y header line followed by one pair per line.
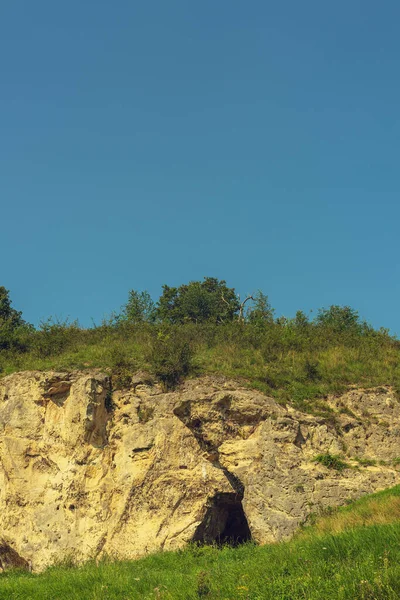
x,y
85,471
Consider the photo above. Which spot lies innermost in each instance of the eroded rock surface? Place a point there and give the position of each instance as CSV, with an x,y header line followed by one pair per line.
x,y
86,472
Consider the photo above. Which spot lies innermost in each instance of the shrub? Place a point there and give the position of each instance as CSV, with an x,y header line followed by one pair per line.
x,y
339,318
121,366
261,312
311,370
139,308
171,357
331,461
54,336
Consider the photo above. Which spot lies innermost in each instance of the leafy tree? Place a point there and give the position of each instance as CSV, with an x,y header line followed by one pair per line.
x,y
11,321
261,311
198,302
301,320
8,315
339,318
139,308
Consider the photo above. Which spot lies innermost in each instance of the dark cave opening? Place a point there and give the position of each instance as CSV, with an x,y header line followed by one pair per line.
x,y
10,559
224,522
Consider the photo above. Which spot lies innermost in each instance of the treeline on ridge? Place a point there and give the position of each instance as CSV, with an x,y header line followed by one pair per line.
x,y
204,326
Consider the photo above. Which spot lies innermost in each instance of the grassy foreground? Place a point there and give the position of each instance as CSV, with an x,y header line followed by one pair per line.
x,y
353,553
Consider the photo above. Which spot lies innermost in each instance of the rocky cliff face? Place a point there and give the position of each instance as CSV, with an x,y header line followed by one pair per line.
x,y
85,471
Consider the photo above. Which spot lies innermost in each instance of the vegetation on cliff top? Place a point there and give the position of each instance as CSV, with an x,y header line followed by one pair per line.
x,y
204,327
351,554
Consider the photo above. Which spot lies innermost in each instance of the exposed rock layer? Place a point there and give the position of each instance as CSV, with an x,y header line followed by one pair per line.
x,y
86,472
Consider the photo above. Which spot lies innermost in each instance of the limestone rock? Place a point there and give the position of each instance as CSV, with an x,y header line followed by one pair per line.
x,y
85,471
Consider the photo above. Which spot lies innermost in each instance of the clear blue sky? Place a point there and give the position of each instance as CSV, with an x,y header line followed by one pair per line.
x,y
144,143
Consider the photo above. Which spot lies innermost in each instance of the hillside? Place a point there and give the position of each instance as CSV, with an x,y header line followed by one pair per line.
x,y
294,364
199,420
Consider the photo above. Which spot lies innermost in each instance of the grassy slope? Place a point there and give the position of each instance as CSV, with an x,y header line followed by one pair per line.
x,y
353,553
291,364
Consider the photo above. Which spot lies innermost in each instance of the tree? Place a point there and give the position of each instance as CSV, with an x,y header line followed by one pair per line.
x,y
8,315
139,308
198,302
301,320
11,320
261,311
339,318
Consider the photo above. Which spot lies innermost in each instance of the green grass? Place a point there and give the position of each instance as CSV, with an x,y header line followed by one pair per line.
x,y
363,563
381,508
353,553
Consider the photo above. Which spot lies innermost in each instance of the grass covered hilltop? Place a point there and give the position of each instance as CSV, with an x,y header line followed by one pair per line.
x,y
203,327
353,553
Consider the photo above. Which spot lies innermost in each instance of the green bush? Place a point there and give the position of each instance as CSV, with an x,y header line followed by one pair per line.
x,y
171,357
54,336
140,308
311,369
331,461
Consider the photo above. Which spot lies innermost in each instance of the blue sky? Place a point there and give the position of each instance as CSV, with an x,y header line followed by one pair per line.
x,y
158,142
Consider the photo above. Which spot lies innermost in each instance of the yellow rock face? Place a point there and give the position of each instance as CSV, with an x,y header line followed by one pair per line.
x,y
85,472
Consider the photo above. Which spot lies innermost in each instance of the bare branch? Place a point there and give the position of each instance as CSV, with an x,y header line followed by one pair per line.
x,y
226,302
241,309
